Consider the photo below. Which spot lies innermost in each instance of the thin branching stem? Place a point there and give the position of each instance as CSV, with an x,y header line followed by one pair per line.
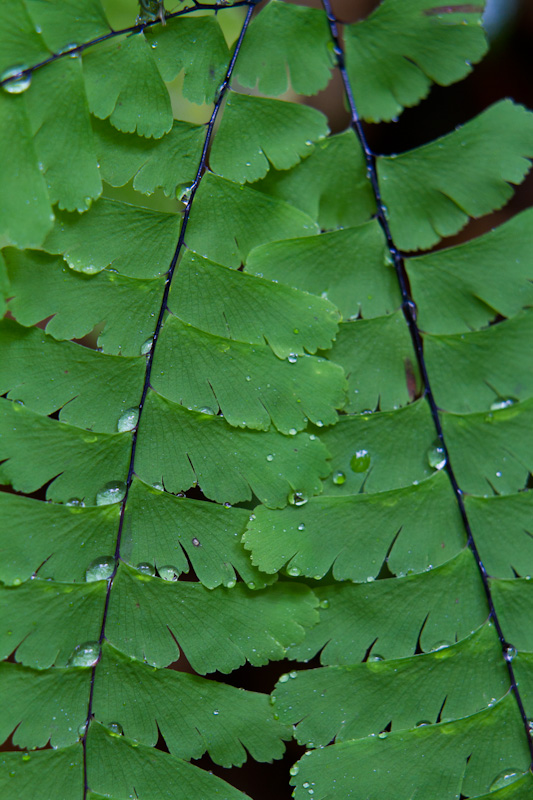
x,y
409,312
202,166
76,50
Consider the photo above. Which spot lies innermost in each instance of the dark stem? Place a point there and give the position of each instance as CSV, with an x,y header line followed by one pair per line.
x,y
149,361
137,28
409,312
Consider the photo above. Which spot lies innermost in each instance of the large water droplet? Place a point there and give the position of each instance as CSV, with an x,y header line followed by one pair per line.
x,y
436,457
502,402
505,778
147,346
112,492
146,568
128,420
338,478
297,499
100,569
115,728
293,572
85,655
19,83
294,770
360,461
168,572
292,358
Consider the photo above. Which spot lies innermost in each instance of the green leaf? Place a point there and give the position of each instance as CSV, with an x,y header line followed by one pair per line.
x,y
250,308
354,536
330,185
501,529
463,288
376,347
44,286
286,41
202,371
20,44
89,243
349,702
427,200
179,447
196,46
257,219
25,212
124,85
270,132
59,117
65,23
393,617
66,380
393,55
152,163
461,756
361,282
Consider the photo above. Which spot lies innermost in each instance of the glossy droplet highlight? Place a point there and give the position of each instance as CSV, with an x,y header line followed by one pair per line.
x,y
270,457
115,728
294,770
19,83
505,778
510,653
383,735
338,478
293,572
207,410
301,526
360,461
100,569
441,645
324,604
436,457
85,655
168,572
376,657
292,358
146,568
75,502
423,723
283,678
297,499
502,402
147,346
81,729
128,420
112,492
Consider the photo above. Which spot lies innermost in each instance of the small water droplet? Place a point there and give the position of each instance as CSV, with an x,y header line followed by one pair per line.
x,y
85,655
510,653
147,346
248,378
146,568
441,645
128,420
227,505
319,423
293,674
26,757
158,486
270,457
292,431
76,502
82,728
100,569
297,499
283,678
168,572
422,723
324,604
196,542
19,83
338,478
207,410
115,728
112,492
376,657
301,526
292,358
502,402
505,778
436,457
294,770
360,461
293,572
216,712
383,735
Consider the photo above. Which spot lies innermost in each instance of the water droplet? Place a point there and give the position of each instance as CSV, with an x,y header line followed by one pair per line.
x,y
216,712
168,572
436,457
292,358
360,461
294,770
376,657
128,420
196,542
319,423
505,778
301,526
292,431
230,584
26,757
441,645
383,735
227,505
76,502
85,655
270,457
115,728
293,572
272,699
158,486
502,402
324,604
147,346
283,678
338,478
422,723
510,652
100,569
112,492
82,728
297,499
19,83
293,674
207,410
184,191
146,568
